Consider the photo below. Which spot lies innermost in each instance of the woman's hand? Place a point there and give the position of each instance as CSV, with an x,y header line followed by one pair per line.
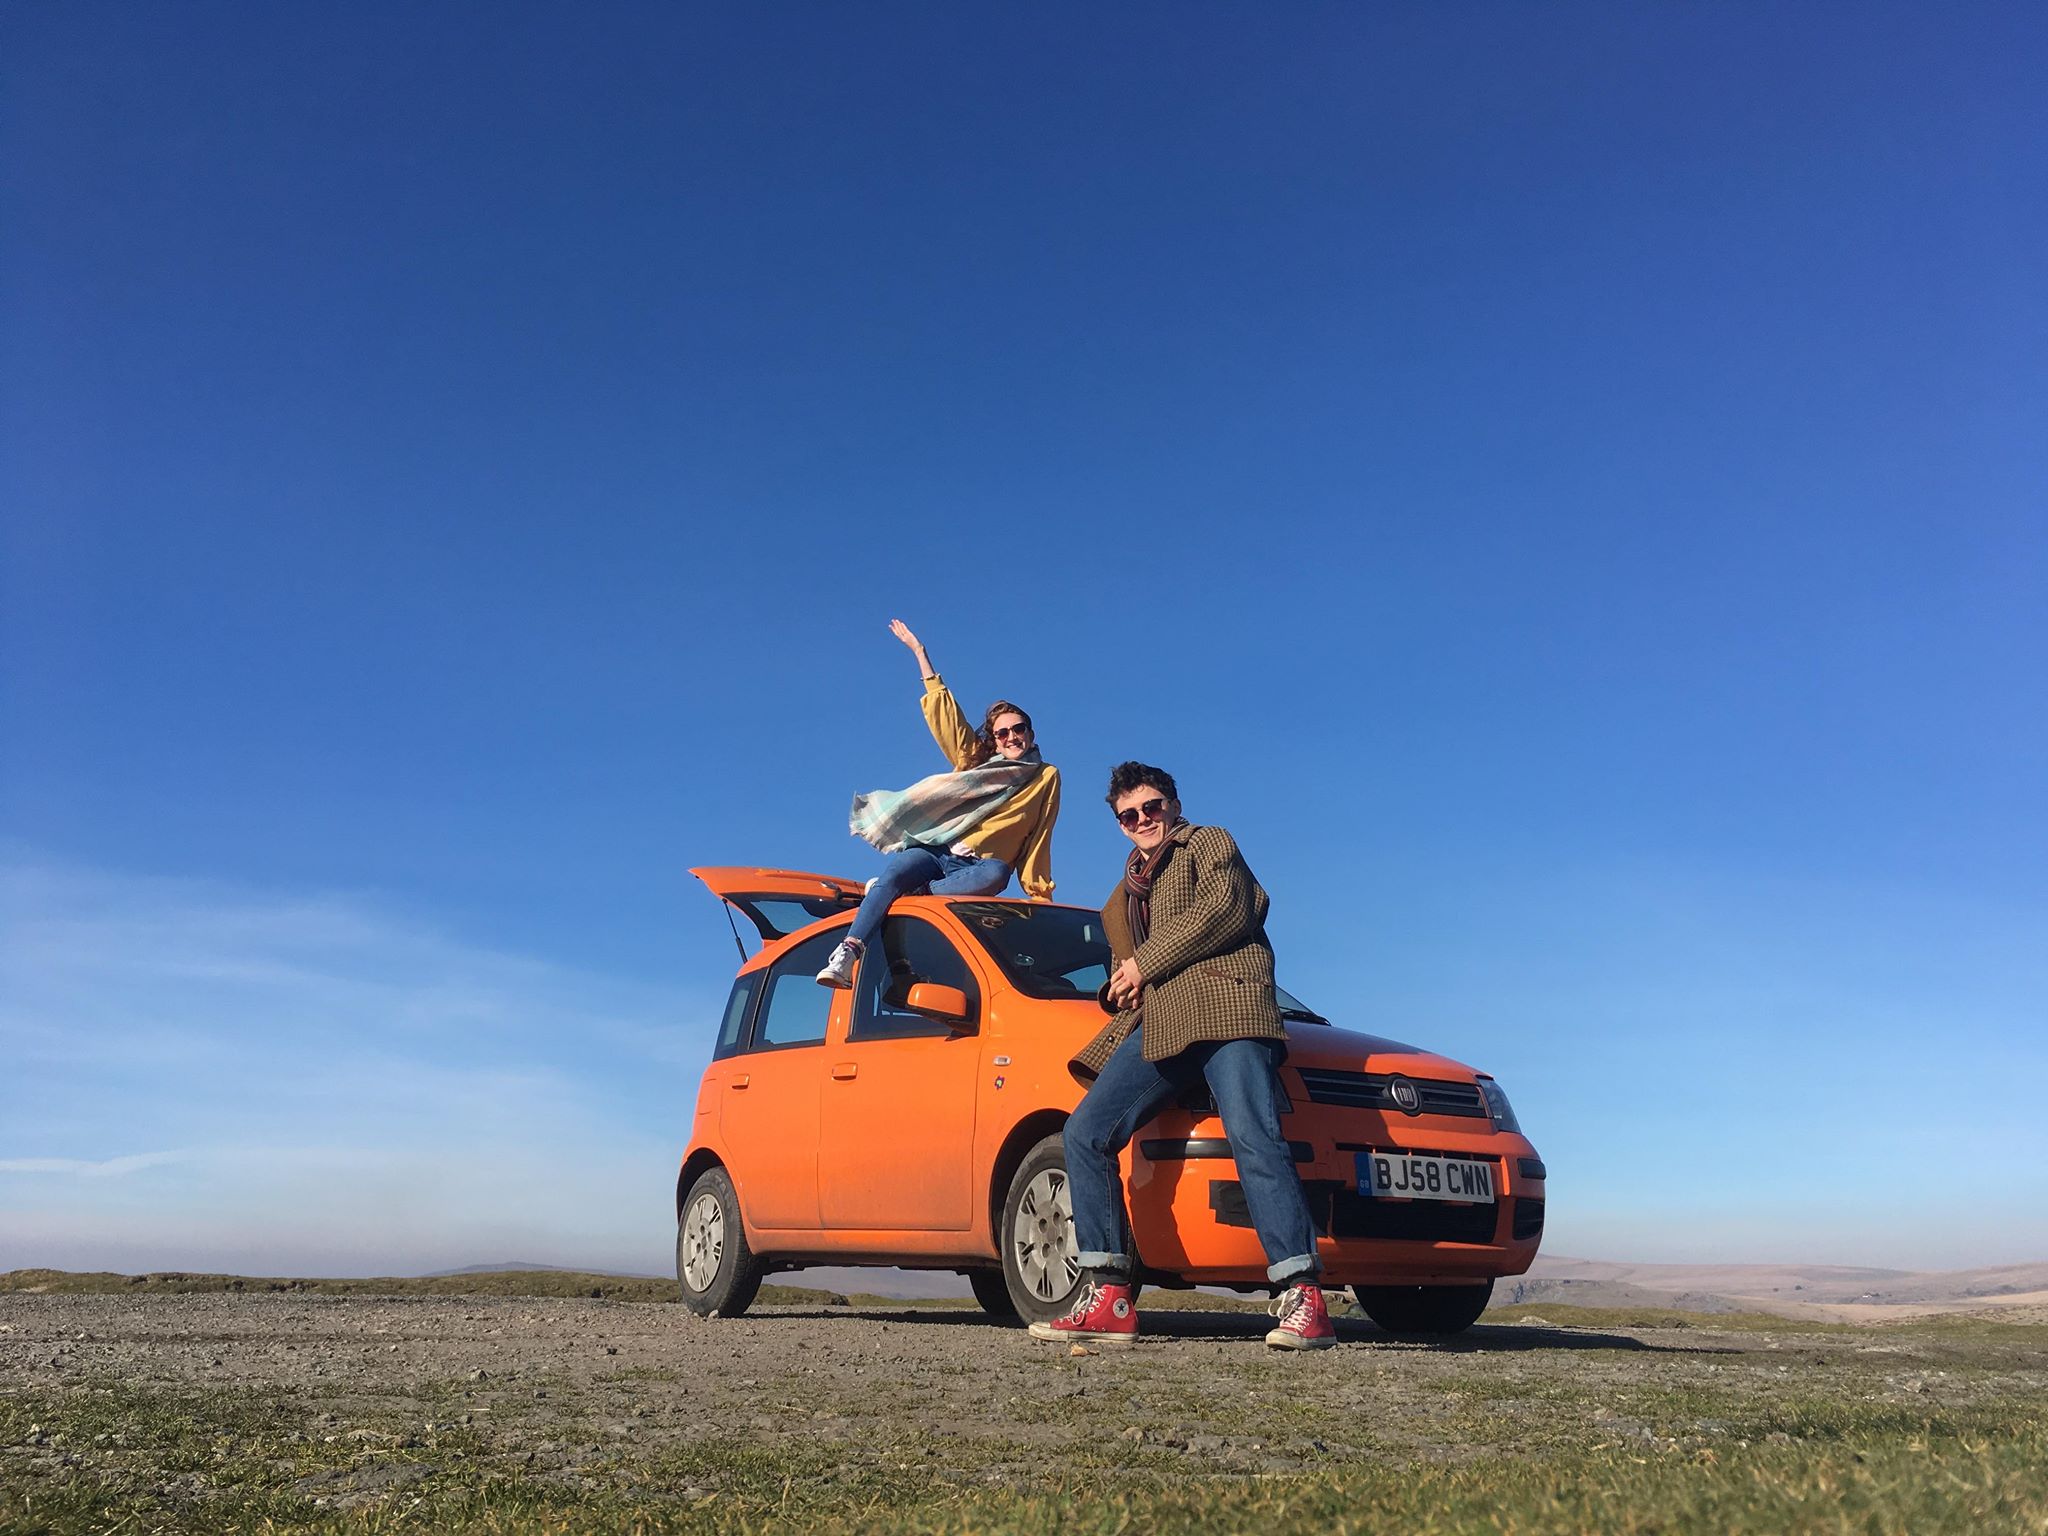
x,y
1125,985
902,631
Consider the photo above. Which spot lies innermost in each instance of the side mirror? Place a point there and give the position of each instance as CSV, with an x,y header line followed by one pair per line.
x,y
938,1002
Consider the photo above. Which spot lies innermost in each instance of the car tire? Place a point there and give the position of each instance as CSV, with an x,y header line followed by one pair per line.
x,y
718,1273
992,1290
1041,1259
1427,1309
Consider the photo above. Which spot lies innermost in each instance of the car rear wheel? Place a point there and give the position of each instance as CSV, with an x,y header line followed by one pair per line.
x,y
1041,1257
1423,1308
992,1290
717,1271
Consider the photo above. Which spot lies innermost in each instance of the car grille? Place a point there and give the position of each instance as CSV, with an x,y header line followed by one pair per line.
x,y
1342,1212
1429,1221
1368,1090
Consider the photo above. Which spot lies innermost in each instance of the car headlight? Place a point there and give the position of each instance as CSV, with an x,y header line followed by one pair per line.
x,y
1498,1107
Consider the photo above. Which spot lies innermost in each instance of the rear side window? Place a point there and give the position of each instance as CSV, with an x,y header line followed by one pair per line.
x,y
911,951
738,1009
795,1009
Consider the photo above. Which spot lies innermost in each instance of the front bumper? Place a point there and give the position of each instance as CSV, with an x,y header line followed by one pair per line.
x,y
1189,1217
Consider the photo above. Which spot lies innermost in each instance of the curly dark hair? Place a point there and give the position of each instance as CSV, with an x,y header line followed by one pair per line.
x,y
985,738
1125,777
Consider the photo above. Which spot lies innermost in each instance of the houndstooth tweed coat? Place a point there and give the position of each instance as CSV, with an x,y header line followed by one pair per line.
x,y
1207,966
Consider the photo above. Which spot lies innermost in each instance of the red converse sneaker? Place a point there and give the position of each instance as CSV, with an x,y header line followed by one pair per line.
x,y
1304,1320
1103,1314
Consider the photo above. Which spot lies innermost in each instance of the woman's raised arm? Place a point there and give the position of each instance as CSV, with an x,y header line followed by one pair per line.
x,y
903,632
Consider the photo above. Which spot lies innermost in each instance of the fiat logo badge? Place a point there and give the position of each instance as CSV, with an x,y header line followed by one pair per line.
x,y
1405,1096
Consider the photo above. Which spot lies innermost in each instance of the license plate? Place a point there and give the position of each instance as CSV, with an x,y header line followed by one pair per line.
x,y
1425,1178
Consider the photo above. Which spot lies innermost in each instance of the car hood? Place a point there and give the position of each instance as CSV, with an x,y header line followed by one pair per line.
x,y
1350,1050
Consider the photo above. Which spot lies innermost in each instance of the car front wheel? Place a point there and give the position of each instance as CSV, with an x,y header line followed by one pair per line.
x,y
1041,1257
1423,1308
717,1271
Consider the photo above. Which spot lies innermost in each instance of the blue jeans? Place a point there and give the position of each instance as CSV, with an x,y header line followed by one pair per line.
x,y
937,870
1131,1090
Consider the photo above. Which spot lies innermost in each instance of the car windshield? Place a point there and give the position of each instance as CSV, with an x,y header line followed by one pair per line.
x,y
1062,952
1046,951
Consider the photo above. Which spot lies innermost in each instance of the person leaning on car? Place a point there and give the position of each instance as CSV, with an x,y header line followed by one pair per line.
x,y
1192,998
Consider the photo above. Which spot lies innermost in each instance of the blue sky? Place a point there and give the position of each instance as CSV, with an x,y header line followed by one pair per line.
x,y
1563,484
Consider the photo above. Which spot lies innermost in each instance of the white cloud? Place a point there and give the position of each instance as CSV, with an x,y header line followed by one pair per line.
x,y
105,1168
349,1087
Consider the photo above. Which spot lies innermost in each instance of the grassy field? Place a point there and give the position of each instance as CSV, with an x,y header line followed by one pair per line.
x,y
1620,1422
504,1282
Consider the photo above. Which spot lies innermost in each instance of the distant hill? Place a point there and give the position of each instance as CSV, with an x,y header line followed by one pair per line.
x,y
1841,1292
2012,1292
515,1266
489,1280
1528,1290
1796,1290
911,1284
534,1281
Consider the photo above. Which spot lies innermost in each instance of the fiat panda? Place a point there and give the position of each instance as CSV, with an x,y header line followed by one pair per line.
x,y
914,1120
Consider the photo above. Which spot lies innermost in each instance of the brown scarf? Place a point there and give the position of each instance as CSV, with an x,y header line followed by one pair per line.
x,y
1139,874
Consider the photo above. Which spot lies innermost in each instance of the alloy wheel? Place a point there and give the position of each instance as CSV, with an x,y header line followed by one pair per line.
x,y
1042,1237
703,1241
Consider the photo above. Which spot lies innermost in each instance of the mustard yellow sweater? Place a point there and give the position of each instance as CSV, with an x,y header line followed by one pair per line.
x,y
1020,834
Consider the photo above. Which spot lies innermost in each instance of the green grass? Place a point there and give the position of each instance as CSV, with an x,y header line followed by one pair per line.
x,y
504,1282
234,1463
508,1282
1957,1328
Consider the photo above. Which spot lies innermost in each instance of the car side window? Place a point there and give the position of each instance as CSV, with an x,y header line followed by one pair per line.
x,y
911,951
795,1009
738,1009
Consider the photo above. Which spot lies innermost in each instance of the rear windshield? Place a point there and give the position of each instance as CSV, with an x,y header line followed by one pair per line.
x,y
1061,952
777,917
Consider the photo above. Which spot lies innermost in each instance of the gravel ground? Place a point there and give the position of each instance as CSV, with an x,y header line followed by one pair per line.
x,y
592,1393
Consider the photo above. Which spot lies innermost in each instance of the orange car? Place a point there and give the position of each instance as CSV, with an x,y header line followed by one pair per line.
x,y
915,1120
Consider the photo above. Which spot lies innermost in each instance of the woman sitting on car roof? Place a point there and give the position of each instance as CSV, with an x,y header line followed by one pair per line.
x,y
960,833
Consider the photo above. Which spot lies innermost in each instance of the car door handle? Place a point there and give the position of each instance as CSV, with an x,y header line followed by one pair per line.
x,y
845,1071
741,1081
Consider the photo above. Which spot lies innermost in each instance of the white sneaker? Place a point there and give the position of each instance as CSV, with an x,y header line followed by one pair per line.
x,y
839,969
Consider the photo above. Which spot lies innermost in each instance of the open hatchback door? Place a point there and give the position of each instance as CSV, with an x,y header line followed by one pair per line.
x,y
780,901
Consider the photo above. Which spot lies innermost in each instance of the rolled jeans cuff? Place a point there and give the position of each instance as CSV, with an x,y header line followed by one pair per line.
x,y
1303,1266
1117,1264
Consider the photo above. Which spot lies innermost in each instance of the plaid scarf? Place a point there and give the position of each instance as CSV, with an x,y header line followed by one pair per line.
x,y
1139,873
937,812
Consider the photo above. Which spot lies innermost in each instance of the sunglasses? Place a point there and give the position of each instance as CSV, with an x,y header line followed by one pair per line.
x,y
1152,810
1005,732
